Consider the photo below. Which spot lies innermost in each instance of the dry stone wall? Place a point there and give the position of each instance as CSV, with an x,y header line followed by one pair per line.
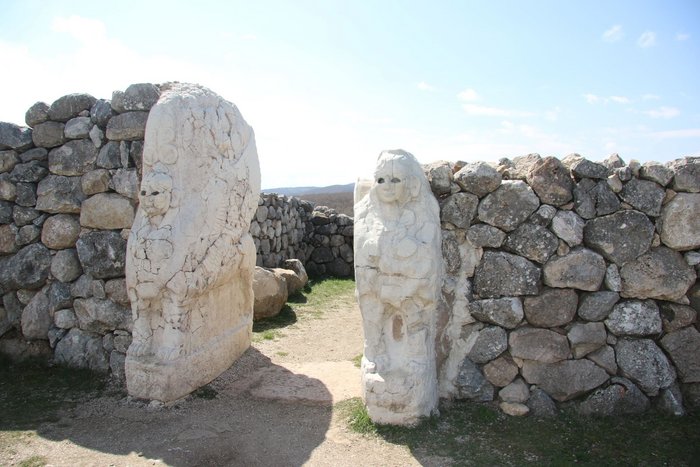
x,y
570,283
567,282
69,185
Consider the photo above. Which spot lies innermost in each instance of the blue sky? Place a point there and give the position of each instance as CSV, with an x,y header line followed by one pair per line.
x,y
327,85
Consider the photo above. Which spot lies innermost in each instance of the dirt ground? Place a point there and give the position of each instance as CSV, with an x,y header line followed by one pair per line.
x,y
273,407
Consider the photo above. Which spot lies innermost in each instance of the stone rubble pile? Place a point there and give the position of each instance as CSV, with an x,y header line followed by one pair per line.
x,y
571,283
69,184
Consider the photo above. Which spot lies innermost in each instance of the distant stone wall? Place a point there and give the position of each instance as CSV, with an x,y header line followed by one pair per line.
x,y
69,186
570,283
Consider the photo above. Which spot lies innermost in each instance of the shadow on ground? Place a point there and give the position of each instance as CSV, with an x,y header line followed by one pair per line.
x,y
219,425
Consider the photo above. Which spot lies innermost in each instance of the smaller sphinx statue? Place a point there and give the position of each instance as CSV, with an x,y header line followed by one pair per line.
x,y
190,258
398,270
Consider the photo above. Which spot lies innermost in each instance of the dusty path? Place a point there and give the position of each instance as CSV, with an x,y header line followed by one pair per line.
x,y
273,407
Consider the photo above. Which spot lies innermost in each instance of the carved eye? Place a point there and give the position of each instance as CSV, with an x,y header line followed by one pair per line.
x,y
380,180
155,193
395,180
143,192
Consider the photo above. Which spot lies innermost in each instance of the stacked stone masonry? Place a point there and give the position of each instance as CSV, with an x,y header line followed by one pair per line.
x,y
69,184
569,283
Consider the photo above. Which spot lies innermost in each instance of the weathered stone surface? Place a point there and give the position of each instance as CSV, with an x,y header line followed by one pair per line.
x,y
25,215
568,226
30,172
34,154
613,281
101,112
37,113
686,174
59,296
28,234
551,308
66,107
596,306
541,405
81,349
532,241
583,168
300,279
551,181
107,211
60,231
109,156
622,397
95,181
517,168
541,345
675,316
604,357
459,209
65,265
59,194
126,183
644,195
564,380
543,216
8,239
509,205
634,318
684,348
517,392
595,199
670,401
101,316
586,338
619,237
506,312
49,134
8,190
479,178
115,289
471,383
502,274
680,222
484,235
128,126
78,127
65,319
491,342
139,96
501,371
642,361
6,212
36,319
656,173
661,273
440,177
73,158
25,194
27,269
8,160
14,136
580,269
102,254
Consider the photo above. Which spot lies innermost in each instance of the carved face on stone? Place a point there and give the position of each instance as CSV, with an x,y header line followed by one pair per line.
x,y
156,193
391,182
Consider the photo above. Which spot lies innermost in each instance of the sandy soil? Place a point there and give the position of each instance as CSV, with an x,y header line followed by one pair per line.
x,y
273,407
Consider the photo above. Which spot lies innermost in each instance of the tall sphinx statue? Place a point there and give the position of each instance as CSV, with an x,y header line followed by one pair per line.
x,y
190,258
398,272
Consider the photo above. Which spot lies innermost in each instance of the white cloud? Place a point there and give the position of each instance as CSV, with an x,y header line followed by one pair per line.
x,y
83,29
613,34
682,36
591,98
647,39
620,99
553,114
468,95
486,111
674,134
663,112
423,86
651,97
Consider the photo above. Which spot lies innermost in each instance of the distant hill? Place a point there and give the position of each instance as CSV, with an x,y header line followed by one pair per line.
x,y
338,197
304,190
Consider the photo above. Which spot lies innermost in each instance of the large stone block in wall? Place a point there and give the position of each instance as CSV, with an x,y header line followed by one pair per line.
x,y
564,380
59,194
27,269
102,254
642,361
680,222
107,211
508,206
551,181
619,237
501,274
580,269
661,273
73,158
190,257
129,126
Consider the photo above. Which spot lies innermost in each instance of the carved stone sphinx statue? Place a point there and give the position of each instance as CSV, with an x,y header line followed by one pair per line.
x,y
190,258
398,273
